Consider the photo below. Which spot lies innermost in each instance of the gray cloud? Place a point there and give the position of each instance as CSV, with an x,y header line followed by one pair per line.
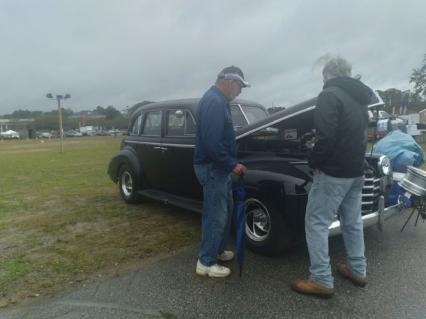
x,y
106,52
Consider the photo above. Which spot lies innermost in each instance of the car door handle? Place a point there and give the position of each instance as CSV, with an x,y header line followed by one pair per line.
x,y
160,148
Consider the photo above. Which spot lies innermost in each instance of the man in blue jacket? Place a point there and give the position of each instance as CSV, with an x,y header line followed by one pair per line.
x,y
214,160
337,159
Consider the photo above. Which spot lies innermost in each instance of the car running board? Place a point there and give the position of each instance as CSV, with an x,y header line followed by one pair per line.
x,y
167,198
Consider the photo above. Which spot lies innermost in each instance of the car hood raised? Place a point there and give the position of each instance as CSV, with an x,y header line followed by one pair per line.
x,y
294,116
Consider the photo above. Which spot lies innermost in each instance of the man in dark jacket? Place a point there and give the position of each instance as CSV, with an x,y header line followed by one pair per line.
x,y
341,120
215,158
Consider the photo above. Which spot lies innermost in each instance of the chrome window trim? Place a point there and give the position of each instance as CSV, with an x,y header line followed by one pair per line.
x,y
244,114
179,145
138,122
195,123
146,143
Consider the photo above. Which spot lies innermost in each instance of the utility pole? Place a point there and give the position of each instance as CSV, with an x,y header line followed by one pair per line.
x,y
59,98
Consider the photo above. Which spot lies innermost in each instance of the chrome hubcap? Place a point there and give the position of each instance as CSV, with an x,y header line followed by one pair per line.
x,y
258,220
126,183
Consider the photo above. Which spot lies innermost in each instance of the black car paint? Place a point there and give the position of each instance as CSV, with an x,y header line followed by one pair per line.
x,y
277,174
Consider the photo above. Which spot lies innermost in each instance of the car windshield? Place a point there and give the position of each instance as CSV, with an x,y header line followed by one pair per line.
x,y
254,113
242,115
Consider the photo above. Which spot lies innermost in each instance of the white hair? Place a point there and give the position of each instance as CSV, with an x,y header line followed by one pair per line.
x,y
336,67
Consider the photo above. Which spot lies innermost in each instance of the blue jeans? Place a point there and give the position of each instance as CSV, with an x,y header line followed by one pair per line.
x,y
329,195
217,212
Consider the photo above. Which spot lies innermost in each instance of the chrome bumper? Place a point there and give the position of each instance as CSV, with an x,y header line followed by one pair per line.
x,y
375,218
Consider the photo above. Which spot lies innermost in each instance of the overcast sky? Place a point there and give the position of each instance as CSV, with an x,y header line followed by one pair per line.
x,y
120,52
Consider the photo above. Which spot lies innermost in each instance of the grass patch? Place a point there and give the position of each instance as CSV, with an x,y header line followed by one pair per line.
x,y
62,220
14,267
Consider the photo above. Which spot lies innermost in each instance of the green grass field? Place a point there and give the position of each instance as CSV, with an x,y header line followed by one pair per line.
x,y
62,220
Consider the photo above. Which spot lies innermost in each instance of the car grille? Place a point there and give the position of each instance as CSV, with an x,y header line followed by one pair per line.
x,y
370,193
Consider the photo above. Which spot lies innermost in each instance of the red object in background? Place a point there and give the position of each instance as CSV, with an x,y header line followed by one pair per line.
x,y
373,131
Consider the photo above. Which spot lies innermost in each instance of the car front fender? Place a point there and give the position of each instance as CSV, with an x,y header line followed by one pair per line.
x,y
287,194
275,187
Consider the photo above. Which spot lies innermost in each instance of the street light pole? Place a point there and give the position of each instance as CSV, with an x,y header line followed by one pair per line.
x,y
59,98
61,130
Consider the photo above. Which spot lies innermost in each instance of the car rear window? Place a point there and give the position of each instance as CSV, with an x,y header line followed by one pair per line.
x,y
180,123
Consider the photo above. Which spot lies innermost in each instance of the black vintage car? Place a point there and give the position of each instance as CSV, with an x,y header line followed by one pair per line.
x,y
155,161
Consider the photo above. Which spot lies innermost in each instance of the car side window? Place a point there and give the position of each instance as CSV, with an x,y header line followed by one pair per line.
x,y
190,126
237,117
136,126
180,123
152,124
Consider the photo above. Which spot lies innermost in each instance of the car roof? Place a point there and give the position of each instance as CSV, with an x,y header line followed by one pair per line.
x,y
275,118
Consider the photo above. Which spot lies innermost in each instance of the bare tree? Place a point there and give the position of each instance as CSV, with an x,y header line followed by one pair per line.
x,y
418,78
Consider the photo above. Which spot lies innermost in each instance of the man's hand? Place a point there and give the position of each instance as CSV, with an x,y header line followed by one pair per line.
x,y
240,169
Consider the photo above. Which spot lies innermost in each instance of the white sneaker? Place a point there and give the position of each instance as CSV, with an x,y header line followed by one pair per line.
x,y
227,255
212,271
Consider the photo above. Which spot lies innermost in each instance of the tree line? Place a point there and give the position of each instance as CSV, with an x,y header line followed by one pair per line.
x,y
409,100
108,117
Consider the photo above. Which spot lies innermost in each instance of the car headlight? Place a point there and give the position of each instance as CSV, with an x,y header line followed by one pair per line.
x,y
384,166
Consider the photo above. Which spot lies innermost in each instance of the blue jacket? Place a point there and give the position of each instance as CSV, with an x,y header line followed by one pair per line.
x,y
215,139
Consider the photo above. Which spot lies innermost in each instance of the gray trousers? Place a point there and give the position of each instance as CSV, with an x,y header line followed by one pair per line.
x,y
329,195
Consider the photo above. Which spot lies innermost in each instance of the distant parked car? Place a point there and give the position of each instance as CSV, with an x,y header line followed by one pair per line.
x,y
90,133
9,135
72,133
55,134
114,132
101,133
44,135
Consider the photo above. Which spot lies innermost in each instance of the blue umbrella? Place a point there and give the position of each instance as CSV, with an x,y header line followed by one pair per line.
x,y
240,222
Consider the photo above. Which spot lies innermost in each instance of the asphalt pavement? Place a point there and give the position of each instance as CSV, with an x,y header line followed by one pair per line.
x,y
169,288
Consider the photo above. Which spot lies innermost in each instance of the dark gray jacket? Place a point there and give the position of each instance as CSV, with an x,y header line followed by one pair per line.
x,y
341,121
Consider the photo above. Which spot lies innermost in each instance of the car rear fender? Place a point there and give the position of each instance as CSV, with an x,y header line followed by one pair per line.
x,y
125,156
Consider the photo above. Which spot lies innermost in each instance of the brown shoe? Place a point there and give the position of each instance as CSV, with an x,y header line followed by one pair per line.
x,y
310,287
360,281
